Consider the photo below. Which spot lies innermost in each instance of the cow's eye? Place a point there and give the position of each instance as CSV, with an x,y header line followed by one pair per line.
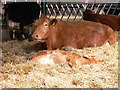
x,y
45,24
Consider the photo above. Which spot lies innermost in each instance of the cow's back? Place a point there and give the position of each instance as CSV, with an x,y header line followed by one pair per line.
x,y
110,20
79,34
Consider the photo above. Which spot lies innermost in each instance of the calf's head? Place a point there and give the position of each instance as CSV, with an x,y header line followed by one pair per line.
x,y
42,27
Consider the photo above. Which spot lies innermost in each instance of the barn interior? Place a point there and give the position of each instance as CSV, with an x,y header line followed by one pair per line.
x,y
16,70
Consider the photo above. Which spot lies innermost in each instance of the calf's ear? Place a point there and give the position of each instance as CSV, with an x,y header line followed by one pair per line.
x,y
53,22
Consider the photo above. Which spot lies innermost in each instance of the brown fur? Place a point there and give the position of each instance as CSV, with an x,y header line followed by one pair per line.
x,y
63,57
76,34
111,20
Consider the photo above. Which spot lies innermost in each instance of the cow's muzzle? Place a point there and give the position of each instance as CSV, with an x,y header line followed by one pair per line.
x,y
38,38
42,40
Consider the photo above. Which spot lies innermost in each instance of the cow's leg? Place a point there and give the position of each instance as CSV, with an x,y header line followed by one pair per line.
x,y
107,43
21,31
29,35
112,39
49,47
43,46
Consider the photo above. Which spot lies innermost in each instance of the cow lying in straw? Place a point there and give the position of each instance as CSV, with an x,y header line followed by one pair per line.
x,y
111,20
76,34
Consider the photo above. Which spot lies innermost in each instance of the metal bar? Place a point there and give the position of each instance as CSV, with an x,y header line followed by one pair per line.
x,y
77,13
115,8
69,14
100,9
103,7
64,9
68,11
44,7
64,12
74,9
79,10
48,10
109,9
92,6
85,6
53,10
58,9
97,9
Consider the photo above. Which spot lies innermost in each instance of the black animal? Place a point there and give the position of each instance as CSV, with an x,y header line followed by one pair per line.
x,y
23,13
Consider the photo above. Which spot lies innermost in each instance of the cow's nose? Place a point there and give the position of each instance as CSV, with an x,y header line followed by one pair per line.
x,y
35,36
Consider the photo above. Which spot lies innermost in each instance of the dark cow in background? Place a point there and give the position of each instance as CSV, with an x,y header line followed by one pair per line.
x,y
76,34
112,20
23,13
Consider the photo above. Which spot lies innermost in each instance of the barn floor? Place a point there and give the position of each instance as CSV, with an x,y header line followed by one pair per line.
x,y
17,72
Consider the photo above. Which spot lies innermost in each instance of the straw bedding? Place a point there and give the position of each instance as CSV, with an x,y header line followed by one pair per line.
x,y
17,72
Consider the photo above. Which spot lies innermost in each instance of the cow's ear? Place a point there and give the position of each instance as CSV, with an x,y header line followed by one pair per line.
x,y
43,15
53,22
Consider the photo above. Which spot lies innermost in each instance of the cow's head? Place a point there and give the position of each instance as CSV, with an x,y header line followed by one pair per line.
x,y
42,27
88,11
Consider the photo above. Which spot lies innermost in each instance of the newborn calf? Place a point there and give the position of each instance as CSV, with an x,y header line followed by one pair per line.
x,y
62,57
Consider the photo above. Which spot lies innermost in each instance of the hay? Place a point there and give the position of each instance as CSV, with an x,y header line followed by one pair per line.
x,y
17,72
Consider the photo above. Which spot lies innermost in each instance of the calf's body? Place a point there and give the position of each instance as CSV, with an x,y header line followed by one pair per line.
x,y
60,57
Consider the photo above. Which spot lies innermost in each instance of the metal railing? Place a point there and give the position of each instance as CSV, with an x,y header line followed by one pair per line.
x,y
74,11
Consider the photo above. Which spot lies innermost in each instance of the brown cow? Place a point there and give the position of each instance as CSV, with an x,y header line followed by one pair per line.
x,y
53,57
76,34
111,20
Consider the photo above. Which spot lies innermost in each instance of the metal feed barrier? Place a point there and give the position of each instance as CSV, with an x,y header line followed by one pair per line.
x,y
74,11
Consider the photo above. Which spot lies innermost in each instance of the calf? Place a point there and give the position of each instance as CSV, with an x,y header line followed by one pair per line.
x,y
76,34
22,12
53,57
111,20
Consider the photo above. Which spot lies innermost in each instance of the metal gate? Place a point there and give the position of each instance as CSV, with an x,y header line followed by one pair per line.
x,y
73,11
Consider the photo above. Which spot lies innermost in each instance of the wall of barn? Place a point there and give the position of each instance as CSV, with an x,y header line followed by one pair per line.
x,y
87,1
